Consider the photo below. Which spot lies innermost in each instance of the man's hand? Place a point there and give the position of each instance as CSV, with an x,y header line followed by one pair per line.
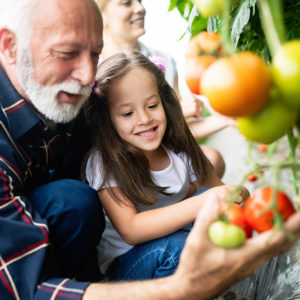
x,y
206,270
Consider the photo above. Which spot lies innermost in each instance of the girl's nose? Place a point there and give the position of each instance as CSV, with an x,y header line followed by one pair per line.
x,y
144,117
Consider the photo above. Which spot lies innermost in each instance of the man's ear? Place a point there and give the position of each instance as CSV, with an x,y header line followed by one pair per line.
x,y
8,46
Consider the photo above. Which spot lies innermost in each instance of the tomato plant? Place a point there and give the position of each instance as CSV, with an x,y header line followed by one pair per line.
x,y
203,49
286,72
226,235
233,92
269,124
259,212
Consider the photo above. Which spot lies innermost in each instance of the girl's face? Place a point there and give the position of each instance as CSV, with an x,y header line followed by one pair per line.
x,y
136,110
124,20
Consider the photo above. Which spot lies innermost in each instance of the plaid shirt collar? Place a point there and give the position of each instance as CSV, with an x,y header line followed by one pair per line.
x,y
19,115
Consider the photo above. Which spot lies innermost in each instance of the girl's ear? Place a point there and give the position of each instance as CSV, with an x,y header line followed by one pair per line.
x,y
8,46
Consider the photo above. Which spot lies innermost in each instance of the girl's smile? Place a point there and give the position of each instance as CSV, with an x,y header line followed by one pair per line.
x,y
148,134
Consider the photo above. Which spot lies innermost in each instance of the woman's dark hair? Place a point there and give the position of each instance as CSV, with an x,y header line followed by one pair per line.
x,y
122,162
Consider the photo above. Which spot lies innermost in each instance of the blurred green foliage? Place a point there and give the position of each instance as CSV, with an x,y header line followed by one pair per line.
x,y
246,30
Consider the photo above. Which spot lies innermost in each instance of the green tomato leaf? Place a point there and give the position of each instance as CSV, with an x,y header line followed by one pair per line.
x,y
241,19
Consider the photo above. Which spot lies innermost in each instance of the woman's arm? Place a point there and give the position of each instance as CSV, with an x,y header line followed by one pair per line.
x,y
204,127
137,228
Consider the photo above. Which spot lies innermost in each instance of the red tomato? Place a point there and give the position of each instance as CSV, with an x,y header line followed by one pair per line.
x,y
236,216
262,147
252,177
258,212
203,49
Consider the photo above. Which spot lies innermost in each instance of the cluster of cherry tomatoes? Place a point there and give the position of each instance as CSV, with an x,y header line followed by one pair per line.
x,y
258,214
264,99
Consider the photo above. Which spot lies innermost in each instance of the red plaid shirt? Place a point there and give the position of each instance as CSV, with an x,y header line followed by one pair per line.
x,y
30,154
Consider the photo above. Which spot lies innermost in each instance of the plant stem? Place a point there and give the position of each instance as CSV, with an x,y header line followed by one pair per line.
x,y
226,40
272,23
293,144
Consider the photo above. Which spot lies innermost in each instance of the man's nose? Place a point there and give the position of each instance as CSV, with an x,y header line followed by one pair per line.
x,y
85,70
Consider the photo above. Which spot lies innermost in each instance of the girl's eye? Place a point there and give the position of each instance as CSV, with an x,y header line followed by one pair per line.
x,y
127,114
153,106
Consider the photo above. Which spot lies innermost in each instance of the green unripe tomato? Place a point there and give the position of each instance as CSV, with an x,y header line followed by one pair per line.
x,y
210,8
226,235
269,124
286,72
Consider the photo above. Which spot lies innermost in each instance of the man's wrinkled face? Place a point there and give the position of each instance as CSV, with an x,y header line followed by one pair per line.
x,y
57,67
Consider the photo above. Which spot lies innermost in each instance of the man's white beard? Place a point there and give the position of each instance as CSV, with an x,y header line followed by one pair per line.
x,y
44,98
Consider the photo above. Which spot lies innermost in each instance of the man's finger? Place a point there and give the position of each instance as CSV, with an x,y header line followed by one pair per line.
x,y
207,214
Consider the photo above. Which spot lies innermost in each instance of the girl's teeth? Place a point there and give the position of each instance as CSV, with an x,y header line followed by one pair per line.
x,y
147,133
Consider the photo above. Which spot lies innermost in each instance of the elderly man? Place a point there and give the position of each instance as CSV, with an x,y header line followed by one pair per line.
x,y
50,223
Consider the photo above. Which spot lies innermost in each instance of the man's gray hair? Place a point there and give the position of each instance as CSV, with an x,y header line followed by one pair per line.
x,y
15,15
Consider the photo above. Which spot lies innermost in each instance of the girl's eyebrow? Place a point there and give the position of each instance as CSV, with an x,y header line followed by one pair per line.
x,y
130,103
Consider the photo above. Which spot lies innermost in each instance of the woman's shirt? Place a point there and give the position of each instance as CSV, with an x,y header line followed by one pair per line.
x,y
176,176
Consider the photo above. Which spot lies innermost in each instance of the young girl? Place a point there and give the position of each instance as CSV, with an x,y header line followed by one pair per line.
x,y
144,163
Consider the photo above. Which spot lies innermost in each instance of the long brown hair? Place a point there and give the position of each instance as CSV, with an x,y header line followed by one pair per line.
x,y
122,162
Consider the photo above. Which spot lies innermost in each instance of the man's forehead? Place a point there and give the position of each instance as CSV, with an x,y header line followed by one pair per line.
x,y
65,13
68,19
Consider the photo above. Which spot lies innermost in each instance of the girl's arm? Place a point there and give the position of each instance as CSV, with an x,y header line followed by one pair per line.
x,y
137,228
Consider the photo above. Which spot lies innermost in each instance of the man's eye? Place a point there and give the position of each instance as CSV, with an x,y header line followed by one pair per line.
x,y
95,55
67,55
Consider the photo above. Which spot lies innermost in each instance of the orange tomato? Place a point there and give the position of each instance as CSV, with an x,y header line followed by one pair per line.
x,y
237,86
203,49
204,43
194,68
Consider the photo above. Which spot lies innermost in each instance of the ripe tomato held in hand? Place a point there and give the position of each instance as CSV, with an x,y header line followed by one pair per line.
x,y
258,213
236,215
237,86
203,49
286,72
226,235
